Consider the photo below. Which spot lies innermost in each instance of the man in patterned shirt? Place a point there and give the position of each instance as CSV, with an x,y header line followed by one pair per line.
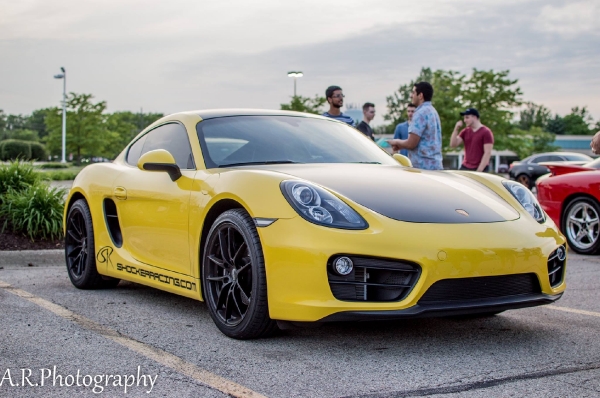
x,y
424,142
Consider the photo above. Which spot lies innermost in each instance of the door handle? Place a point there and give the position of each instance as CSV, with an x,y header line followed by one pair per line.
x,y
120,193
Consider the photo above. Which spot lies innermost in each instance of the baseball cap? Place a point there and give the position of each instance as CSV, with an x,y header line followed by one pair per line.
x,y
470,111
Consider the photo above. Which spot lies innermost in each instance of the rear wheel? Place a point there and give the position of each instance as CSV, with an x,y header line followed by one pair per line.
x,y
524,179
80,251
234,278
580,225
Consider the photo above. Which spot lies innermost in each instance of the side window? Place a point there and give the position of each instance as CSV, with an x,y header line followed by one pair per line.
x,y
135,151
173,138
541,159
555,158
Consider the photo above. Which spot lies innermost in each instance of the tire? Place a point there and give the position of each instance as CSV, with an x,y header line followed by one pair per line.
x,y
581,227
80,254
524,179
233,277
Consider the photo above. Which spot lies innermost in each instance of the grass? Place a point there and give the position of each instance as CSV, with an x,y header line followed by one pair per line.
x,y
68,173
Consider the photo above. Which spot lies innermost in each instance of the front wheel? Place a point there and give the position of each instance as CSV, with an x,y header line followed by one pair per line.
x,y
234,278
580,225
80,252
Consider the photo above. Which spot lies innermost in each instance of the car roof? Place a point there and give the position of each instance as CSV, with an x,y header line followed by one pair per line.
x,y
215,113
556,153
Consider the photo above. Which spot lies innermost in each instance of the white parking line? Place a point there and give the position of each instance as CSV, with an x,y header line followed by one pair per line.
x,y
164,358
573,310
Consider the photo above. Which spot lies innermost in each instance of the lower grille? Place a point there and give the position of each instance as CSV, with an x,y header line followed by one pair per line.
x,y
556,266
479,288
373,279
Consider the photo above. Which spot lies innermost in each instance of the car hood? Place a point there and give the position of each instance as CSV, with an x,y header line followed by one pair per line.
x,y
407,194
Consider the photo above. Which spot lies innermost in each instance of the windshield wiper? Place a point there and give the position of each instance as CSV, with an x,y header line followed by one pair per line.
x,y
367,162
258,163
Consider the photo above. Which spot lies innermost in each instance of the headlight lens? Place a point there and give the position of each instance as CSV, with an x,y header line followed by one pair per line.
x,y
320,207
526,199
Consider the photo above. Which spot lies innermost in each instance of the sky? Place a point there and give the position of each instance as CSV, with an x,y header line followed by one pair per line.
x,y
177,55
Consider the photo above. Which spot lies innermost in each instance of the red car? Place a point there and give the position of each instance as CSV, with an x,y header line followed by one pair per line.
x,y
571,197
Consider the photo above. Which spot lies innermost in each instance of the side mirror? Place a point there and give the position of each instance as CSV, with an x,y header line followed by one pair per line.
x,y
160,160
403,160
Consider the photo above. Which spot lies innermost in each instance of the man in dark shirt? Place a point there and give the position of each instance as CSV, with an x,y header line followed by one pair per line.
x,y
368,115
335,98
478,140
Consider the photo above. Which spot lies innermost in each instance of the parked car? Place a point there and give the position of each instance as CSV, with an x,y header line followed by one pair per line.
x,y
529,169
275,217
570,195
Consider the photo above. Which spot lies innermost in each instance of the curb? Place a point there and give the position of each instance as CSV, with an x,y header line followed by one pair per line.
x,y
23,258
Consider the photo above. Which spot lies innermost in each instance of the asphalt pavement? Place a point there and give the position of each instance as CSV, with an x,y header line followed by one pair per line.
x,y
125,337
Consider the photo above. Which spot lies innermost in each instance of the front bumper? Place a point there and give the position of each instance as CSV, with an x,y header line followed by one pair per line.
x,y
447,309
296,253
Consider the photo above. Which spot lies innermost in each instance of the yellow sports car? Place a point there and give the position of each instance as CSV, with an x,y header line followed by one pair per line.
x,y
281,218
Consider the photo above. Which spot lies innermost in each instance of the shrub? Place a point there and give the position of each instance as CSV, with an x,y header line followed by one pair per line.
x,y
53,165
60,175
15,149
35,211
17,176
38,151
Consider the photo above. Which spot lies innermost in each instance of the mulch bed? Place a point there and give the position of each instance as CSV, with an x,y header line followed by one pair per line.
x,y
12,241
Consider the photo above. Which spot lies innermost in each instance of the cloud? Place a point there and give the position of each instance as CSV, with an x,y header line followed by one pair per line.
x,y
570,19
181,55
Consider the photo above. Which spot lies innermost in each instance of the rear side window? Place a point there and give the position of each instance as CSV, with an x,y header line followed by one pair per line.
x,y
555,159
135,151
171,137
541,159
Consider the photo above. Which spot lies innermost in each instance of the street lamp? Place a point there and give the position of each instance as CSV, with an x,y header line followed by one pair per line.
x,y
63,76
295,74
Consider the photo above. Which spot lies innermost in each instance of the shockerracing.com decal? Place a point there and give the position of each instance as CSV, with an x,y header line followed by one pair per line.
x,y
104,254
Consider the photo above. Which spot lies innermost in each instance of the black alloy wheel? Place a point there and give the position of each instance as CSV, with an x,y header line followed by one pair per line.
x,y
80,252
581,225
524,179
234,279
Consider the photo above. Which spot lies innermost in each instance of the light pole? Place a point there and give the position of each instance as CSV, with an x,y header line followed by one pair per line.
x,y
63,76
295,74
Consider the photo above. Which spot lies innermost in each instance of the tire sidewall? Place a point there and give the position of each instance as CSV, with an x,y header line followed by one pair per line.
x,y
595,248
258,274
90,273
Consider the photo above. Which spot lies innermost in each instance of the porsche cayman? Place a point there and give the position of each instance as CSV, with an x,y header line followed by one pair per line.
x,y
281,218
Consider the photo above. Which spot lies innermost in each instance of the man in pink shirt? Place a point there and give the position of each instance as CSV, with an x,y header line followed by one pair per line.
x,y
478,140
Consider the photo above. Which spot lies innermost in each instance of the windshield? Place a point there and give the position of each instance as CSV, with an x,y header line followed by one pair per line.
x,y
243,140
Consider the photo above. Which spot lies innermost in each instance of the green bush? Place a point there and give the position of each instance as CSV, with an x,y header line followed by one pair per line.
x,y
35,211
17,175
60,175
15,149
53,165
38,151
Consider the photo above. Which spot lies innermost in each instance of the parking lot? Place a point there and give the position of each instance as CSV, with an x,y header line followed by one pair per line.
x,y
133,331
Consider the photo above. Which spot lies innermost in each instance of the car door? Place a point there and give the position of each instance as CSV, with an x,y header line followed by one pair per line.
x,y
535,169
153,209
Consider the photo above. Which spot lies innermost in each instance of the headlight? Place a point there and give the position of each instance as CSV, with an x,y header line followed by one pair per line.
x,y
318,206
526,199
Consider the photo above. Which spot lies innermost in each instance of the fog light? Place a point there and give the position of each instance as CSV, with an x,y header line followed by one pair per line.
x,y
561,253
343,265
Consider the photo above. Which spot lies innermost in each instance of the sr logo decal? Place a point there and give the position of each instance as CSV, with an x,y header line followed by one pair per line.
x,y
104,255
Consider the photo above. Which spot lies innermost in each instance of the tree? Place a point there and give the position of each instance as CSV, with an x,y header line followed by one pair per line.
x,y
534,116
127,125
492,93
578,122
528,142
305,104
556,125
37,122
87,134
